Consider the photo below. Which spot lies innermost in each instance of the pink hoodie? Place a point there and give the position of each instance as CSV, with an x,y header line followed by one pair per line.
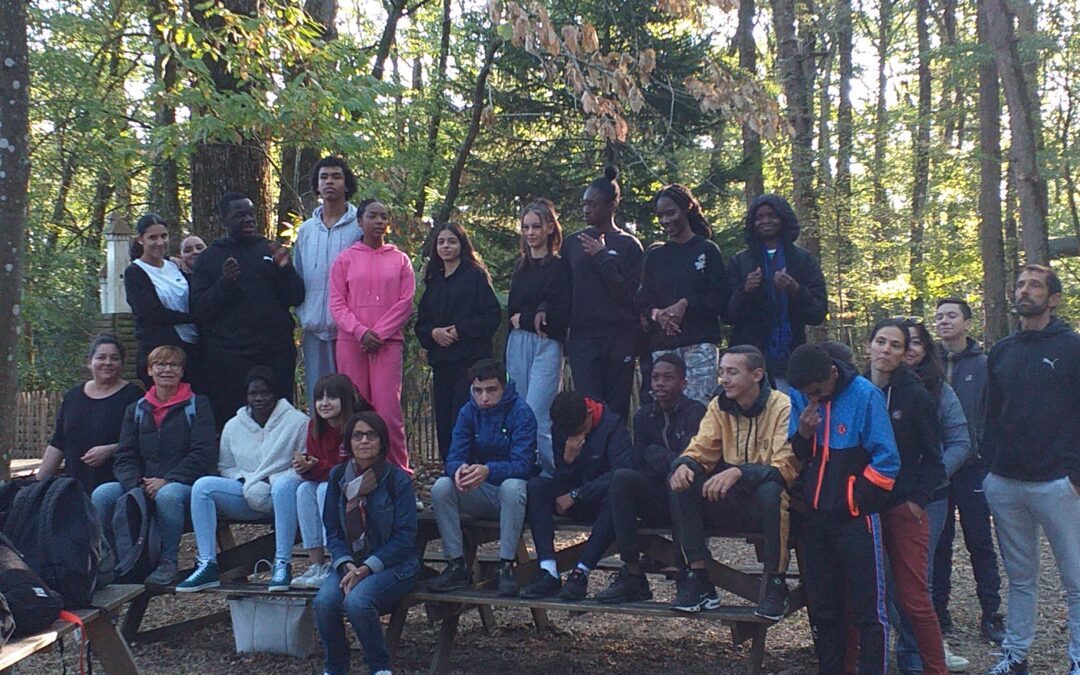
x,y
371,289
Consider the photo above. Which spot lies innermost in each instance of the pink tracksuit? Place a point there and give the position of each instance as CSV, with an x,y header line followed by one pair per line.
x,y
372,289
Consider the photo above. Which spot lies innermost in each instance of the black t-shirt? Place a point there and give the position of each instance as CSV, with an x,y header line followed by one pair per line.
x,y
85,422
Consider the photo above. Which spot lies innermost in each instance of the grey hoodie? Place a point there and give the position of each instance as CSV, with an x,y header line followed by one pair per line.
x,y
314,252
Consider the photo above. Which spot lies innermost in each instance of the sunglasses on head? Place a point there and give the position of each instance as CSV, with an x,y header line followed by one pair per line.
x,y
908,319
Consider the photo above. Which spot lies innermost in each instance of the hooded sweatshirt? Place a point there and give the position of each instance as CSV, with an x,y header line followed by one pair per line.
x,y
603,285
314,252
502,437
966,372
660,436
466,300
261,454
541,286
1033,405
751,315
851,462
755,439
917,430
693,270
607,447
371,289
249,316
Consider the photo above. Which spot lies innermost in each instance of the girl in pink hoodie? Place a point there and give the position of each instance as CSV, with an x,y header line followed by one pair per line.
x,y
371,292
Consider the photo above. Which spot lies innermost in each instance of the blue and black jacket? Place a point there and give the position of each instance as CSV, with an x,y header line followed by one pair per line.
x,y
503,438
851,462
607,447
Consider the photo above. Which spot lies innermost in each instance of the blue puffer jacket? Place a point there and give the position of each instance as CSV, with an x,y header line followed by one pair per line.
x,y
390,538
502,437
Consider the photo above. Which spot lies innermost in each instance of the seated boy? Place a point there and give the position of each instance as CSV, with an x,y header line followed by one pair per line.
x,y
841,432
734,475
662,430
590,442
492,455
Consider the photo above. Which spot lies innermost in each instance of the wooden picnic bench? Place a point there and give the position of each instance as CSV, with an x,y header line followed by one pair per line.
x,y
100,629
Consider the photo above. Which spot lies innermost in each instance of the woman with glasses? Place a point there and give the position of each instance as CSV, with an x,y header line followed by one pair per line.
x,y
167,442
370,520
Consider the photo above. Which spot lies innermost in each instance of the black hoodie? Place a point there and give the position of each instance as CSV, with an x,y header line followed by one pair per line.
x,y
466,300
917,429
1032,430
750,314
693,270
660,436
249,316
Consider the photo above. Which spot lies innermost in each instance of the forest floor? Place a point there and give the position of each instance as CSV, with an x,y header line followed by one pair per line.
x,y
586,643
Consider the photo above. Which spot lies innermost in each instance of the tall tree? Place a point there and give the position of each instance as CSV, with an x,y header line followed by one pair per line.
x,y
880,209
438,96
844,124
991,241
751,140
164,169
1031,188
921,184
14,181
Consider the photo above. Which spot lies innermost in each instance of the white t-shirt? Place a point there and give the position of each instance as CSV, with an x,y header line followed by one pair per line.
x,y
172,290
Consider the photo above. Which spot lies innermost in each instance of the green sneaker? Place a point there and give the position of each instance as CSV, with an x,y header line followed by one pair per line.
x,y
281,578
205,576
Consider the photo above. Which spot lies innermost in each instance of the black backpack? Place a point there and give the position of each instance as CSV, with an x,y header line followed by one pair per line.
x,y
8,490
56,528
136,541
33,605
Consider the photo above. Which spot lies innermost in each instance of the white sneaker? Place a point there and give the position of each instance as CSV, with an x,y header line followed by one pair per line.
x,y
304,580
382,672
318,575
954,663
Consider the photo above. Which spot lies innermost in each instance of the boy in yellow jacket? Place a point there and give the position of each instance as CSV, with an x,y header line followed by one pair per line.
x,y
734,476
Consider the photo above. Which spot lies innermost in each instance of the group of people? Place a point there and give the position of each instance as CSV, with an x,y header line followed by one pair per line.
x,y
867,469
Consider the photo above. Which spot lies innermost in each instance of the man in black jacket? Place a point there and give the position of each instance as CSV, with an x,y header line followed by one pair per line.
x,y
1032,440
241,291
965,366
590,443
662,430
777,288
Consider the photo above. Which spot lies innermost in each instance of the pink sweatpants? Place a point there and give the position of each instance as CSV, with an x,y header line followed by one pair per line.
x,y
378,379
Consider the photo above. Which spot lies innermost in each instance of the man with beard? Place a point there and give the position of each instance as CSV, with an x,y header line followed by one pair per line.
x,y
241,292
1031,436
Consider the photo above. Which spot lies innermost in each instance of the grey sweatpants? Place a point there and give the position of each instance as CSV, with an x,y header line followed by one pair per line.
x,y
1020,508
506,502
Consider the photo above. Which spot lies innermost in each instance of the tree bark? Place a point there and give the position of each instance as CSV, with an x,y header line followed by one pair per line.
x,y
794,59
751,141
1030,186
14,184
881,210
216,167
991,241
386,40
921,184
454,184
438,96
844,122
164,198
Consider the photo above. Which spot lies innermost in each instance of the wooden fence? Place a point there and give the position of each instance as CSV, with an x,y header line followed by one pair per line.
x,y
35,417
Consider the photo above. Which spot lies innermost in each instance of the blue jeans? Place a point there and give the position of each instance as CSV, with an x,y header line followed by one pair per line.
x,y
318,361
213,494
535,365
297,501
907,650
376,595
170,509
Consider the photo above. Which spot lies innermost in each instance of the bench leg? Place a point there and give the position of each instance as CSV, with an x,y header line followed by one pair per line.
x,y
110,648
524,565
757,650
444,645
396,628
133,619
487,618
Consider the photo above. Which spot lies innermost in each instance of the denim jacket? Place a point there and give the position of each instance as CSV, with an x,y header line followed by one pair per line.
x,y
391,524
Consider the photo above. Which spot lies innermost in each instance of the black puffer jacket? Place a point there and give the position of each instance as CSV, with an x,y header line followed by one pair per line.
x,y
180,451
750,314
660,436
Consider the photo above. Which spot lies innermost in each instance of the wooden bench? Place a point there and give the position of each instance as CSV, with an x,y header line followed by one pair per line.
x,y
100,629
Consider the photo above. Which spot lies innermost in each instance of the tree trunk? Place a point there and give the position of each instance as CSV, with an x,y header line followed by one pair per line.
x,y
824,135
991,242
844,123
454,184
792,59
751,140
386,40
164,196
1030,185
216,167
14,184
881,210
921,168
438,97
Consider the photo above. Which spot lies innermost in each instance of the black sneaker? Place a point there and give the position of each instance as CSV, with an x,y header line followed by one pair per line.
x,y
992,628
454,577
543,585
695,592
775,600
505,582
626,588
944,621
1009,666
576,586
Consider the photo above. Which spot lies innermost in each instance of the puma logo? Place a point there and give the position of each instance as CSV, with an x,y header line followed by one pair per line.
x,y
1050,363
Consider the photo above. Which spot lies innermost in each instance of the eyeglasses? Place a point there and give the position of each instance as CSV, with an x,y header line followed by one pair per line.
x,y
908,319
168,366
365,435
